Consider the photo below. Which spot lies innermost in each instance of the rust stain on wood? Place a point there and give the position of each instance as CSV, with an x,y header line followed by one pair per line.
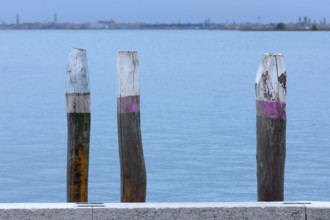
x,y
78,157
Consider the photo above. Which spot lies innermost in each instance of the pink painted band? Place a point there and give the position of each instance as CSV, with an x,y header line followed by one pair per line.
x,y
128,104
274,110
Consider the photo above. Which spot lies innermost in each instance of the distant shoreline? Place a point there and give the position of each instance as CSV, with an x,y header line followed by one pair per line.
x,y
241,30
206,25
284,30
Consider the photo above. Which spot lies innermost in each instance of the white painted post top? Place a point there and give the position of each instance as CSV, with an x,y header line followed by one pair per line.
x,y
77,77
128,74
271,78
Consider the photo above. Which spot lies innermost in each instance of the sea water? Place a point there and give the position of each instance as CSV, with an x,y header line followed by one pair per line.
x,y
198,116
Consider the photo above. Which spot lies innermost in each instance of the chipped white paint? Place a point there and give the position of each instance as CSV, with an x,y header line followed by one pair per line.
x,y
77,77
128,74
271,79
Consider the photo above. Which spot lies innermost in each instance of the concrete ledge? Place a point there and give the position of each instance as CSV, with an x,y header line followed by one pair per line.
x,y
318,210
38,211
191,211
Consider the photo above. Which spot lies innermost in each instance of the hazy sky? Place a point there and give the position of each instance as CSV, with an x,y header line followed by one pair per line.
x,y
163,10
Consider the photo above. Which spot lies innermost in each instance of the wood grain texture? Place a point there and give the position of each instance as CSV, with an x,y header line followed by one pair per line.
x,y
78,103
271,127
271,153
78,156
77,77
128,74
78,120
270,83
133,181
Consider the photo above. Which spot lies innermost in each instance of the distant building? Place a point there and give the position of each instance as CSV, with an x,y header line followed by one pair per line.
x,y
303,23
17,19
305,20
55,18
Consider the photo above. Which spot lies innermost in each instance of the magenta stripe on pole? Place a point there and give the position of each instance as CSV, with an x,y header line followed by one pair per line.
x,y
129,104
271,110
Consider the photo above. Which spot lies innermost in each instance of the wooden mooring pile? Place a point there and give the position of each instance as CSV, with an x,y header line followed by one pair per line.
x,y
270,87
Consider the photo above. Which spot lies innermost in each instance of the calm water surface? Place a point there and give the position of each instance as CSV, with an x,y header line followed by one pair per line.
x,y
198,113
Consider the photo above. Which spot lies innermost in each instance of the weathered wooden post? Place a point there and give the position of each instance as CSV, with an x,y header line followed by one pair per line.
x,y
78,117
132,167
271,127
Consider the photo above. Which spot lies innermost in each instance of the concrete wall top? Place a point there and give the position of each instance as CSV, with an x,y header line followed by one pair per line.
x,y
191,211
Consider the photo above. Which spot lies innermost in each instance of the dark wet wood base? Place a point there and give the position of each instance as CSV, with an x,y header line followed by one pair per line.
x,y
133,171
271,152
